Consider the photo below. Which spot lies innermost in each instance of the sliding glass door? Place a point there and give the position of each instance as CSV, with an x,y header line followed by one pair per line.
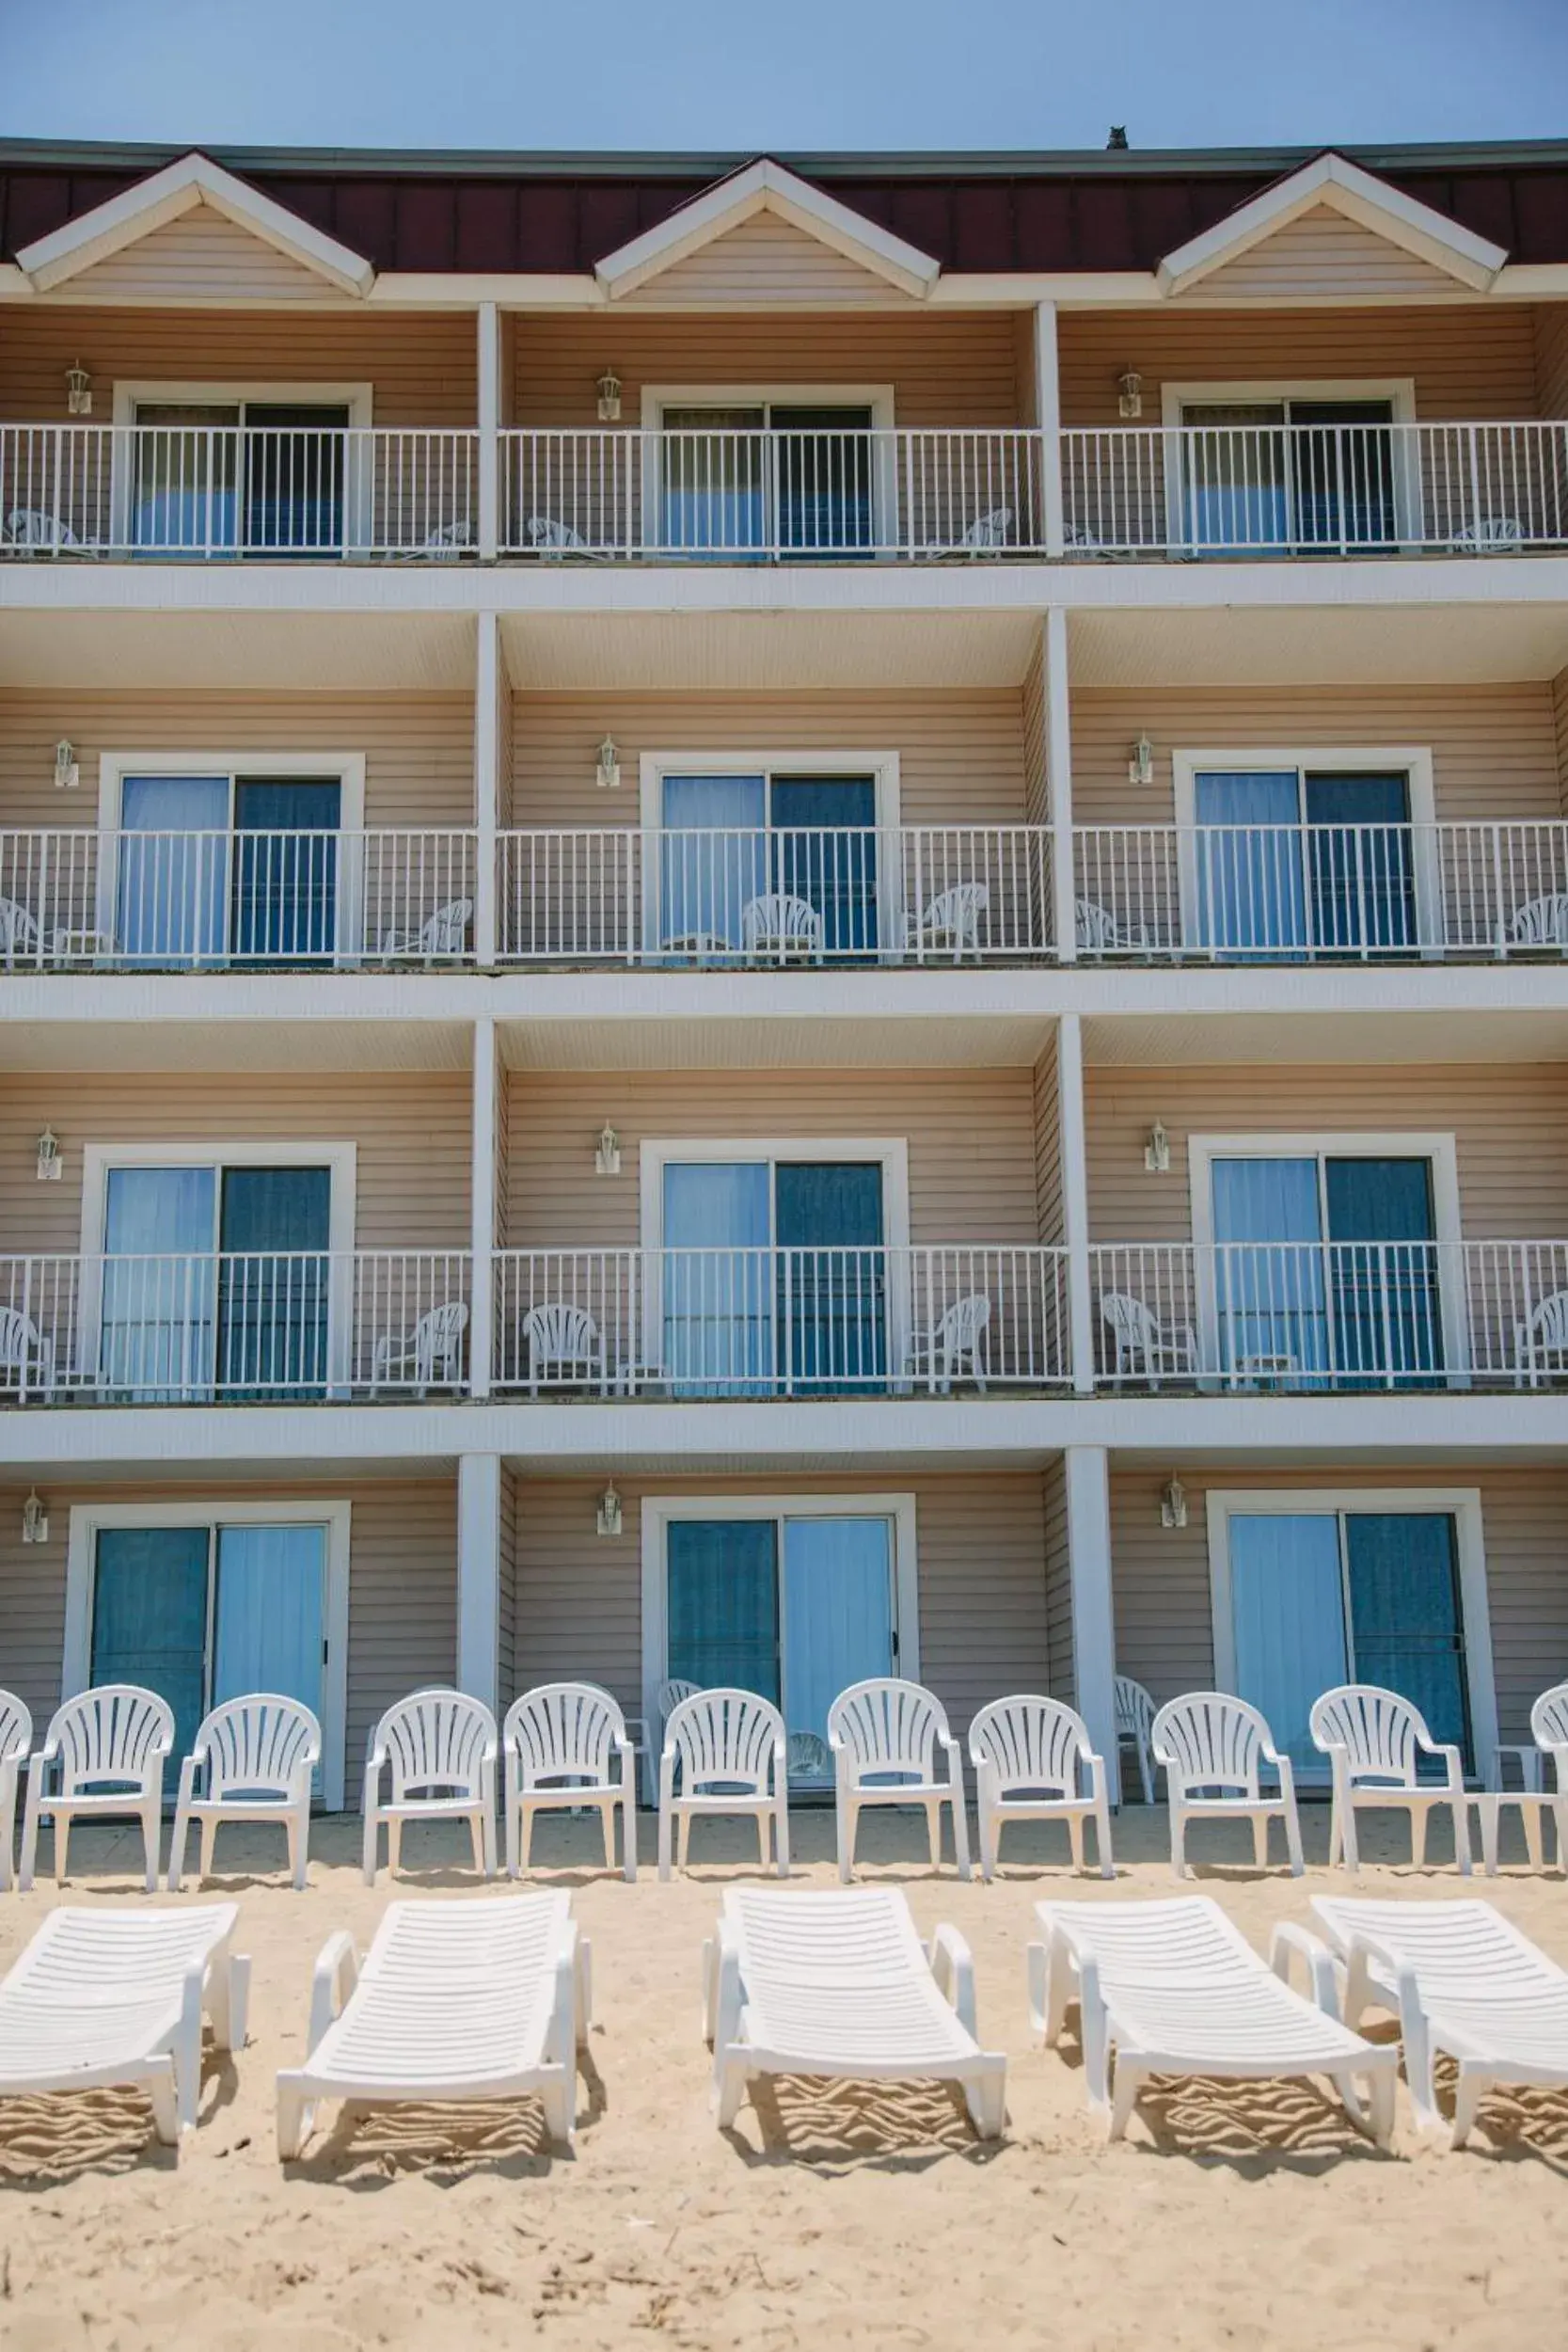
x,y
1301,475
747,482
726,842
226,868
240,477
1289,863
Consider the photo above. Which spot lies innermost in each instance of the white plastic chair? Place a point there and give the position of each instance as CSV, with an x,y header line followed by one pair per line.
x,y
1175,1988
20,935
565,1746
43,534
954,1344
26,1357
256,1755
547,536
432,1352
1031,1756
102,1997
1490,534
1213,1747
1134,1721
1462,1980
1541,1343
884,1735
443,935
669,1697
785,928
950,920
1540,922
1142,1348
729,1749
108,1746
1549,1722
565,1341
441,1742
828,1984
1098,933
1372,1739
987,533
16,1738
454,2000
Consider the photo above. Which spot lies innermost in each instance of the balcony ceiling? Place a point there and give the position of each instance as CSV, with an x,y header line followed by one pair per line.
x,y
1358,641
1392,1037
785,1041
761,651
322,650
261,1046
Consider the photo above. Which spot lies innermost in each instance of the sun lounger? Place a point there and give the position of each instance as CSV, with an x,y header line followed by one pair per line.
x,y
1173,1988
838,1984
456,1999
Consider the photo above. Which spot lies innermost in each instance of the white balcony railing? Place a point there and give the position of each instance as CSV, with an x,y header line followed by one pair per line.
x,y
78,899
1345,1316
233,1326
1305,893
774,497
919,893
1315,489
782,1322
224,491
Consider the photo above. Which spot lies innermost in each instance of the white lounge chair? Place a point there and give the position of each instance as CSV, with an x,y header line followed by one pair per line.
x,y
950,922
108,1747
1098,932
884,1735
1374,1740
1462,1980
1134,1721
564,1746
954,1344
730,1751
1143,1347
428,1357
563,1342
825,1983
1031,1757
778,928
454,2000
16,1738
256,1757
442,937
1213,1747
1175,1988
26,1357
439,1747
102,1997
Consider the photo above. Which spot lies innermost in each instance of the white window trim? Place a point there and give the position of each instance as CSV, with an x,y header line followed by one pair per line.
x,y
879,398
1461,1503
1438,1149
1414,759
87,1518
357,398
1399,390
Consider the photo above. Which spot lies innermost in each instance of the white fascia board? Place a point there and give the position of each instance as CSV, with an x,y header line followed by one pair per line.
x,y
1346,189
168,194
767,187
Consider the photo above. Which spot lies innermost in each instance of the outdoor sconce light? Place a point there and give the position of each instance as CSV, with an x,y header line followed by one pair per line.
x,y
1173,1503
49,1157
34,1519
68,776
78,390
606,1158
1157,1152
610,1512
610,397
609,776
1140,767
1129,385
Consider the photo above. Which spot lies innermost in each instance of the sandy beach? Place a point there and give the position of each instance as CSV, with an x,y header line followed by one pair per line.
x,y
1233,2215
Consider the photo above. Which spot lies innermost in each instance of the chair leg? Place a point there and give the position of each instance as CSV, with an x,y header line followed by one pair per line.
x,y
209,1843
394,1845
1102,1840
1461,1812
847,1815
989,1832
933,1830
1178,1842
1350,1846
666,1825
781,1834
764,1820
1419,1814
372,1825
1075,1840
960,1833
1260,1841
1292,1841
683,1841
606,1824
176,1878
628,1838
479,1844
299,1845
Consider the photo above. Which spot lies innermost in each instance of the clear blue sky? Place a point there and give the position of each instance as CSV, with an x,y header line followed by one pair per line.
x,y
822,73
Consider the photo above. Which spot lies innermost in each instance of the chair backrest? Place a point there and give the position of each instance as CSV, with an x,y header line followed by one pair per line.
x,y
1547,1327
671,1694
18,929
1095,926
962,1328
887,1726
436,1739
544,530
1548,1719
444,543
1030,1742
807,1755
1134,1709
1379,1731
1495,530
28,528
259,1743
1541,922
438,1337
20,1339
16,1730
1132,1324
446,931
114,1732
988,531
561,1729
778,915
559,1334
1210,1740
728,1737
957,909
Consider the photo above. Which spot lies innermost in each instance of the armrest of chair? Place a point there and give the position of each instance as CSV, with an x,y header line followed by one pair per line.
x,y
1286,1771
369,1790
1099,1785
38,1768
1453,1762
955,1761
626,1751
337,1973
1556,1757
189,1768
666,1772
1287,1938
952,1964
780,1766
304,1773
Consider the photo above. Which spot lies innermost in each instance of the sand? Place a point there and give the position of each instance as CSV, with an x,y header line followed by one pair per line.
x,y
1247,2216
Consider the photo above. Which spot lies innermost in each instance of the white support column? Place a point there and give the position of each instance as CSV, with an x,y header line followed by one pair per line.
x,y
481,1197
1047,416
479,1576
1072,1159
490,681
1094,1645
1058,782
489,431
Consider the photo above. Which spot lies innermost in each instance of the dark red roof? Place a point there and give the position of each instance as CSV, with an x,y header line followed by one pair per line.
x,y
511,213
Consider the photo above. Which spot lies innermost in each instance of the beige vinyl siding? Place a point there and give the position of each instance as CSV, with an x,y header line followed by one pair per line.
x,y
1048,1146
1559,725
1510,1125
1059,1585
412,1133
1494,749
423,367
765,262
1466,362
203,257
1037,791
970,1133
417,748
1551,359
1324,256
979,1545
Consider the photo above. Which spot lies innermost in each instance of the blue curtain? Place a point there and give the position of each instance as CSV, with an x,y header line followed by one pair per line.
x,y
715,485
1270,1300
1248,852
705,882
275,1279
1286,1603
1388,1305
156,1326
1405,1619
173,892
825,851
285,860
1361,853
149,1620
832,1274
269,1612
1237,474
824,477
718,1276
723,1604
837,1612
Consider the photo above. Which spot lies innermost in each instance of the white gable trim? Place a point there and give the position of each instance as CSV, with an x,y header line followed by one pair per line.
x,y
1345,188
179,189
767,187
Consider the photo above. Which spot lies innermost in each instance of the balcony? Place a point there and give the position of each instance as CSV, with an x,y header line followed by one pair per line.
x,y
1303,894
1330,1317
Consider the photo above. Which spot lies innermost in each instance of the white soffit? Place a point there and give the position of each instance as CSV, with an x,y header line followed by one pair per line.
x,y
761,652
932,1042
1329,180
195,180
1361,644
273,1047
262,651
1393,1038
767,187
